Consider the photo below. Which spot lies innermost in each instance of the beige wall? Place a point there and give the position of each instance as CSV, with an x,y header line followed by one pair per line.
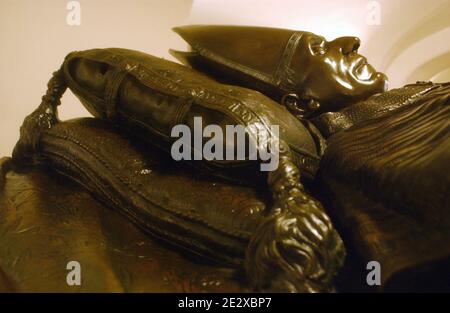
x,y
35,38
411,42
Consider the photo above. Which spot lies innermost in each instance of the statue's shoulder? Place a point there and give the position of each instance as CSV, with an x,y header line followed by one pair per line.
x,y
377,106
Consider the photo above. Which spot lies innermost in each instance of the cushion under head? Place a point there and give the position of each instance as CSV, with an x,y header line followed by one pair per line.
x,y
182,205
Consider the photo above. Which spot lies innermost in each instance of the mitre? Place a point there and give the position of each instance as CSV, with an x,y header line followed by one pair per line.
x,y
259,58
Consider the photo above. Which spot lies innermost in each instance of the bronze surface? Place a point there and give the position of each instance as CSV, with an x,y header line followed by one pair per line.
x,y
47,221
383,167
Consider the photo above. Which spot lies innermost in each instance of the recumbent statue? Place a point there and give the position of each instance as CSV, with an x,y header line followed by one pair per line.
x,y
338,126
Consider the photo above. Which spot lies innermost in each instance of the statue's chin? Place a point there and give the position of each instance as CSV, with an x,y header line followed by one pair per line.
x,y
384,81
360,92
377,83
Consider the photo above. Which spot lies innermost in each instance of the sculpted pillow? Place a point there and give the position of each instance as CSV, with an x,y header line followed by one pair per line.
x,y
150,95
178,204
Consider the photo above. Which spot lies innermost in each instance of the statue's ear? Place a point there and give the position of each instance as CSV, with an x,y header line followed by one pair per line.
x,y
291,102
301,108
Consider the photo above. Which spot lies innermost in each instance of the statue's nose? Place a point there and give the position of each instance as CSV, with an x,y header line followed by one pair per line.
x,y
347,44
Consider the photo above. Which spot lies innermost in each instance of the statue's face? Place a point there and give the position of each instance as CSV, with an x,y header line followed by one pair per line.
x,y
334,74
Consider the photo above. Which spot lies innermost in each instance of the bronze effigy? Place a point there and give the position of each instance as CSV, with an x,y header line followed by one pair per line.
x,y
332,119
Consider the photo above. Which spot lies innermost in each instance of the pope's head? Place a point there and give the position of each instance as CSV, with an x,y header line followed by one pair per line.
x,y
299,69
333,72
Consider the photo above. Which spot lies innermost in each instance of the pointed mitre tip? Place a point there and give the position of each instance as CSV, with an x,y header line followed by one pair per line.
x,y
177,29
181,56
198,30
185,29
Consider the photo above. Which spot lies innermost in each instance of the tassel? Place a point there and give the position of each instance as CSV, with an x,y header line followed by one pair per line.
x,y
43,118
295,248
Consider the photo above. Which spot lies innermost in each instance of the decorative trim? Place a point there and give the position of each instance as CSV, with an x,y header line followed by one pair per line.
x,y
284,74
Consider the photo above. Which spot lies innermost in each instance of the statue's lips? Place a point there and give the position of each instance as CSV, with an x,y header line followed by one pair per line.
x,y
362,70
